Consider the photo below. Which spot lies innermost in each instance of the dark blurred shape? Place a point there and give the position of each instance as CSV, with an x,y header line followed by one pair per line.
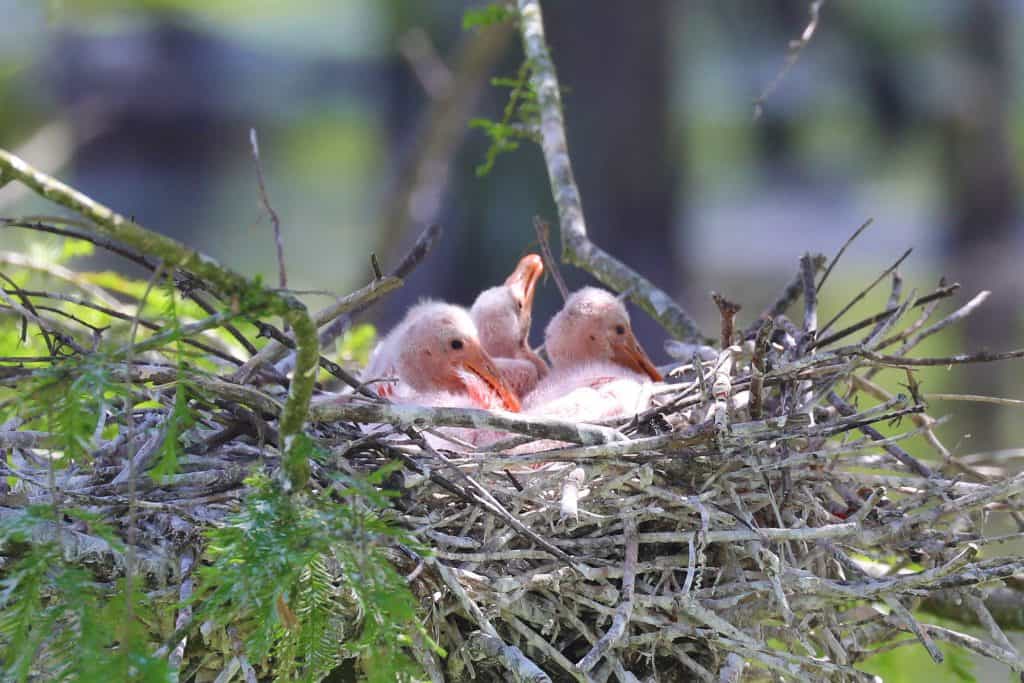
x,y
174,103
614,61
160,98
982,194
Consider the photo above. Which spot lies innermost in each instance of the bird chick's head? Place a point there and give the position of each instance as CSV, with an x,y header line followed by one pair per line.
x,y
503,314
593,325
440,351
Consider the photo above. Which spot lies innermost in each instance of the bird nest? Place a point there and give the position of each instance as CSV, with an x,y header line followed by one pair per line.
x,y
771,516
775,513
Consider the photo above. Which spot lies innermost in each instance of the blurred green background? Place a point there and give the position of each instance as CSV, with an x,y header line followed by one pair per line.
x,y
905,111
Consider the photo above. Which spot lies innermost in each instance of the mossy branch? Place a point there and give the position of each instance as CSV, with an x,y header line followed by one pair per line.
x,y
249,294
577,248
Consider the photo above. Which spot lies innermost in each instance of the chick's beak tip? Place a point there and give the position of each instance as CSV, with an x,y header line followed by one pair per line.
x,y
525,277
628,352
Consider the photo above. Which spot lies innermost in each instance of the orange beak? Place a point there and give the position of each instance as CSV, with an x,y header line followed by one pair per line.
x,y
626,351
523,283
476,360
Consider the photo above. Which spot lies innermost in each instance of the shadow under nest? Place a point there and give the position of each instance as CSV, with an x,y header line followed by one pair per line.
x,y
754,523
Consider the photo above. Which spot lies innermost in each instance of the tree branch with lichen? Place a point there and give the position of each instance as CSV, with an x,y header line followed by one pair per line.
x,y
577,248
233,286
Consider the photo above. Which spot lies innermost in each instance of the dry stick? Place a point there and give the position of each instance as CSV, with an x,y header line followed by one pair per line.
x,y
43,224
473,611
1004,603
790,294
757,368
43,323
796,47
184,616
282,273
910,461
727,310
275,350
975,399
959,359
543,645
895,294
577,248
807,273
940,293
419,251
864,292
986,619
624,611
543,229
954,317
331,409
842,250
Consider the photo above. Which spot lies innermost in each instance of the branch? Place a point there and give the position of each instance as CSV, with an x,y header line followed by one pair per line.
x,y
577,248
419,251
332,409
173,254
276,350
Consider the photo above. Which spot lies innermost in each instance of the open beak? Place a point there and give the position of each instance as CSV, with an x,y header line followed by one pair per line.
x,y
626,351
523,283
480,364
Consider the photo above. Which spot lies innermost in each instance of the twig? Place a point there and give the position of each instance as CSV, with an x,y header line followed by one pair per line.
x,y
910,461
940,293
577,248
864,292
954,317
543,229
842,250
757,368
975,399
810,327
282,273
789,294
625,609
419,251
327,410
796,47
727,310
275,350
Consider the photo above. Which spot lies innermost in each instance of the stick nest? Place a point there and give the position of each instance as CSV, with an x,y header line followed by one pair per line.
x,y
770,515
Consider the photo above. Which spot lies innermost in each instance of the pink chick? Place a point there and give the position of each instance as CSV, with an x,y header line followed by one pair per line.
x,y
502,315
440,361
598,368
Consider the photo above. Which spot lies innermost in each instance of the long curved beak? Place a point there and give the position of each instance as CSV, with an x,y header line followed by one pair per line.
x,y
523,283
476,361
626,351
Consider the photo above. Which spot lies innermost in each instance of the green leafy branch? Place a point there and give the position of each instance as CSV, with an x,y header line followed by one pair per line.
x,y
519,120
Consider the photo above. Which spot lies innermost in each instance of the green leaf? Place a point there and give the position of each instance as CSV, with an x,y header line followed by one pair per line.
x,y
487,15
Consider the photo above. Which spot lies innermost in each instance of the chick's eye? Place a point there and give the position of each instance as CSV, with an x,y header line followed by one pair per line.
x,y
456,344
620,329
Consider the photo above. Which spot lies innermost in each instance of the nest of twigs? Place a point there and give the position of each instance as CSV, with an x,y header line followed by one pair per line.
x,y
754,524
765,517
